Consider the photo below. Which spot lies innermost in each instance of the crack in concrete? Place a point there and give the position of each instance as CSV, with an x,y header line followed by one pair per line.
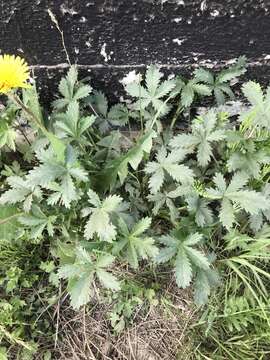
x,y
204,63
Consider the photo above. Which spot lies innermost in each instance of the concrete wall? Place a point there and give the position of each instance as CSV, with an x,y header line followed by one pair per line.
x,y
108,38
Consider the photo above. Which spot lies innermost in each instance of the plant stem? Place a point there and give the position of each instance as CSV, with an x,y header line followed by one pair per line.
x,y
12,338
3,221
58,146
177,113
24,135
141,119
55,21
31,115
159,111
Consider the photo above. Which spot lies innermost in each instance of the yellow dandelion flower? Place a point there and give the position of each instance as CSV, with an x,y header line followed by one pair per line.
x,y
14,73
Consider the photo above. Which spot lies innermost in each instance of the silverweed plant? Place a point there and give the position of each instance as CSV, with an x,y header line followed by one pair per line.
x,y
88,201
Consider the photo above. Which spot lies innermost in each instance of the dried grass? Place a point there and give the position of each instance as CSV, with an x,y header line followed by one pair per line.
x,y
158,334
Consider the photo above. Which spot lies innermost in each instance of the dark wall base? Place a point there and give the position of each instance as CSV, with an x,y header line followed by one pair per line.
x,y
109,37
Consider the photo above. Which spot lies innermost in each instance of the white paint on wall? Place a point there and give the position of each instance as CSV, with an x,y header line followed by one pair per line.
x,y
179,41
103,52
131,77
177,20
214,13
178,2
88,43
65,10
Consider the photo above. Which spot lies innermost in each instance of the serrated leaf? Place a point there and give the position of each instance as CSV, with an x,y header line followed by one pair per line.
x,y
203,75
67,87
37,222
119,166
99,222
133,245
220,84
71,125
233,196
21,191
166,254
256,221
202,89
250,201
258,114
167,163
72,75
52,170
152,94
118,115
197,257
81,271
253,92
105,260
82,92
219,95
64,88
111,203
199,206
183,270
249,163
93,198
220,182
165,88
187,95
136,90
184,141
7,136
204,133
187,258
180,173
31,100
79,290
205,280
141,226
156,181
193,239
152,78
232,72
108,280
238,181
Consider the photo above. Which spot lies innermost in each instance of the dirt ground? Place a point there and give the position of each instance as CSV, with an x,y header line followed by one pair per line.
x,y
160,333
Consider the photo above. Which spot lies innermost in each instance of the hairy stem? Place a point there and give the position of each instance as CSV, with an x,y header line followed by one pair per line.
x,y
58,146
30,114
4,221
179,109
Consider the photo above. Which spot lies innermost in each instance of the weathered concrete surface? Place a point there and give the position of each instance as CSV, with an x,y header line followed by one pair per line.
x,y
108,38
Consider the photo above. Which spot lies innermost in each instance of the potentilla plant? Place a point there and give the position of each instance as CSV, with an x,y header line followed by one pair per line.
x,y
103,199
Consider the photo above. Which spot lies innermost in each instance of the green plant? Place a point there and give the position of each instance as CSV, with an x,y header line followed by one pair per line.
x,y
133,245
234,198
118,115
81,273
202,139
90,204
150,96
70,125
99,220
219,85
124,303
186,256
71,90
